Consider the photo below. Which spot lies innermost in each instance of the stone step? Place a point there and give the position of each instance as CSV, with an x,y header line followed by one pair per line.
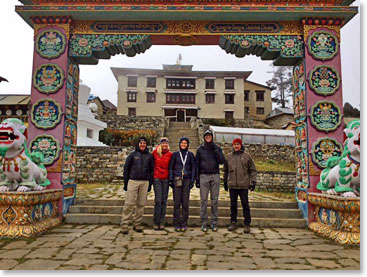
x,y
181,131
177,138
180,128
192,148
222,211
180,124
193,203
194,220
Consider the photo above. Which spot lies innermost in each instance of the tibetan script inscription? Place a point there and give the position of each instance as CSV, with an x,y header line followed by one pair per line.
x,y
234,27
128,27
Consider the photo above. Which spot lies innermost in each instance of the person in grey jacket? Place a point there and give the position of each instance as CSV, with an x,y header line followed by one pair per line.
x,y
239,177
208,158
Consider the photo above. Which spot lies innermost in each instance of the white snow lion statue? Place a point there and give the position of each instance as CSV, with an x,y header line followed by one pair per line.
x,y
342,176
19,170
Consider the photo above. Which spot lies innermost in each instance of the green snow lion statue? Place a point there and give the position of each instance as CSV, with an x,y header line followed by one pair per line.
x,y
19,170
342,176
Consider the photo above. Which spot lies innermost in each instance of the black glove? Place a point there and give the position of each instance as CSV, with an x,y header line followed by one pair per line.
x,y
253,185
197,183
125,187
149,187
226,186
191,185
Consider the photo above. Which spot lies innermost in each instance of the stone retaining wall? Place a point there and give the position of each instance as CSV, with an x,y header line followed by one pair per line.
x,y
105,164
123,122
100,164
276,181
276,152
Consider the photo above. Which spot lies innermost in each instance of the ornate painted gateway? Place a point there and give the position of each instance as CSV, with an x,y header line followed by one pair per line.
x,y
301,33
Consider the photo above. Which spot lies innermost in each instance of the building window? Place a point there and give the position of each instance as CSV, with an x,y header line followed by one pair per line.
x,y
229,83
131,96
247,110
260,95
132,81
150,97
132,111
210,98
175,98
247,95
260,111
180,83
89,133
228,115
151,82
229,98
209,83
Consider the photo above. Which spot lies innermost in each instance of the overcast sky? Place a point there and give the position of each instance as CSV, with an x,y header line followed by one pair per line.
x,y
17,56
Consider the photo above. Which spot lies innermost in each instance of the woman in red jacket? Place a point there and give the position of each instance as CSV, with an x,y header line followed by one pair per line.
x,y
162,157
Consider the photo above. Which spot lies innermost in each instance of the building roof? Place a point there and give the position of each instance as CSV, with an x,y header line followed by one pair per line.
x,y
177,67
14,99
252,131
108,104
119,71
266,87
92,97
279,111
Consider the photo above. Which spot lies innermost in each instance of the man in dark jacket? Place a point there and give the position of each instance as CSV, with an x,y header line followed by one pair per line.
x,y
239,177
208,158
138,179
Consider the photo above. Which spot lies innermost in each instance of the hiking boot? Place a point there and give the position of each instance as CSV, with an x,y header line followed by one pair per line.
x,y
183,229
232,227
214,227
138,228
246,229
156,227
204,228
177,229
124,229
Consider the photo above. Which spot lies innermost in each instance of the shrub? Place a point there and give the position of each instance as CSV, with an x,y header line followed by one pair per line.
x,y
219,122
128,138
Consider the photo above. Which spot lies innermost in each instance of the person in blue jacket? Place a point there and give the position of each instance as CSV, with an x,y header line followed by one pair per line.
x,y
182,176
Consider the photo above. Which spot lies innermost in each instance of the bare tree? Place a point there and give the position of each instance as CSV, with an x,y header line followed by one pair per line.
x,y
281,82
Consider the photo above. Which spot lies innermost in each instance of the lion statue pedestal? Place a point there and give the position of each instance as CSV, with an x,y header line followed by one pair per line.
x,y
26,214
338,206
337,217
27,207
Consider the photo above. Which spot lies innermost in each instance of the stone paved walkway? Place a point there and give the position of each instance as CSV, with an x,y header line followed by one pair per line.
x,y
108,191
102,247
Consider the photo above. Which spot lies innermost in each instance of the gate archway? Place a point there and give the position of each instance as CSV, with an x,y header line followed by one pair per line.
x,y
301,33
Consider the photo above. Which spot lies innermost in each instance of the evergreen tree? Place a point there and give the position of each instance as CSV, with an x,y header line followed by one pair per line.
x,y
281,82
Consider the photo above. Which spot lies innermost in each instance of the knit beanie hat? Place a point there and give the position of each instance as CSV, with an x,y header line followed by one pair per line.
x,y
143,139
237,140
164,140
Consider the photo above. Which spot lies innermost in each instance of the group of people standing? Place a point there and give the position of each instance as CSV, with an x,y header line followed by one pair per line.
x,y
180,171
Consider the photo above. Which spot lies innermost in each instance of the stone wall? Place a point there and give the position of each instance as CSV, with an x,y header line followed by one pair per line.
x,y
276,181
276,152
100,164
105,164
277,122
123,122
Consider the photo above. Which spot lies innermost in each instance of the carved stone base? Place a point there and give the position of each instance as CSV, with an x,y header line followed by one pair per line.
x,y
337,218
26,214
